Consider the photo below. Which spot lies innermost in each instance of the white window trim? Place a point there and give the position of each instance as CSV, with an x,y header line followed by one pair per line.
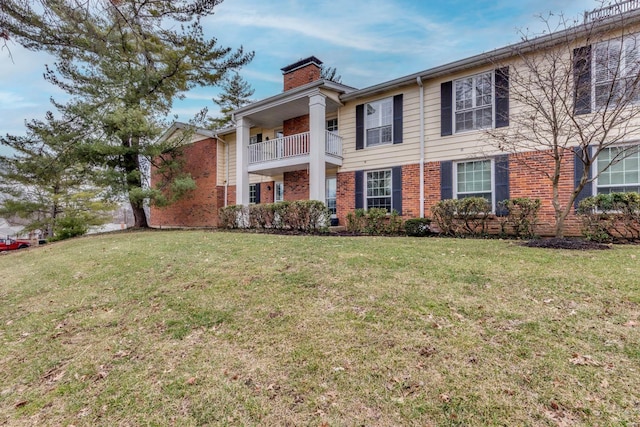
x,y
337,125
492,74
365,187
366,140
326,196
635,38
275,191
594,167
250,202
493,179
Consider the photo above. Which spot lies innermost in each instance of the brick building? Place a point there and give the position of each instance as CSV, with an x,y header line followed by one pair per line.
x,y
404,144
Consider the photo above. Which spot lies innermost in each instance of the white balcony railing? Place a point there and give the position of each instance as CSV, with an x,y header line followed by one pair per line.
x,y
333,144
291,146
618,8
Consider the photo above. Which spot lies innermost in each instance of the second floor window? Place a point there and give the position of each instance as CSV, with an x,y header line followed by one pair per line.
x,y
379,122
332,125
616,64
473,102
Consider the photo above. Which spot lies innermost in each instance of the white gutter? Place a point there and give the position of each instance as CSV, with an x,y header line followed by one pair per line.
x,y
422,145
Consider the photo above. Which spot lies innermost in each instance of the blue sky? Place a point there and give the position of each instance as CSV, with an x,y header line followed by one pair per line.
x,y
369,42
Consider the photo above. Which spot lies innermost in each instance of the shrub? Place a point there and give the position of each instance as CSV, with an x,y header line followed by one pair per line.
x,y
375,221
456,217
395,223
70,226
280,215
356,221
611,217
418,227
261,216
307,216
521,218
232,216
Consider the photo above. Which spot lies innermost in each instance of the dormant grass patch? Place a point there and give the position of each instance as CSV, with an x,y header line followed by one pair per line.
x,y
214,328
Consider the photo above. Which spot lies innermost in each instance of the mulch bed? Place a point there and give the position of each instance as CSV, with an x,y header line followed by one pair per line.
x,y
574,244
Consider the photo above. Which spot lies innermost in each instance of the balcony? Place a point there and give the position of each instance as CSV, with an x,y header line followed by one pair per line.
x,y
291,153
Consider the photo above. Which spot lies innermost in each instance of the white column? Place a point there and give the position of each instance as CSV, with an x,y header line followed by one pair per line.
x,y
242,161
317,136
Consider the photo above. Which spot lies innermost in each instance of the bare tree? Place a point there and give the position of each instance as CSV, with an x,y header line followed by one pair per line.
x,y
574,94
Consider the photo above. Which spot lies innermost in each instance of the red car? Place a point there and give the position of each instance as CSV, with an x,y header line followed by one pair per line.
x,y
10,244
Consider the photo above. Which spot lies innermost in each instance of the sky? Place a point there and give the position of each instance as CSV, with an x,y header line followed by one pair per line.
x,y
368,42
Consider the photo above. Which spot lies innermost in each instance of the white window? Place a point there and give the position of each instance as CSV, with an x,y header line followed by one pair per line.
x,y
379,122
332,125
473,179
278,134
253,139
278,195
379,189
615,69
253,194
473,102
331,186
623,174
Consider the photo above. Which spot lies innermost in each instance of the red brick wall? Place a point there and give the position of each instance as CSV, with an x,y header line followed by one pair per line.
x,y
296,185
345,195
266,192
301,76
200,207
524,181
296,125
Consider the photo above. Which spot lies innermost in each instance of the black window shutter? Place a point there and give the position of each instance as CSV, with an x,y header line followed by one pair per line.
x,y
582,80
396,191
501,167
359,127
257,193
578,170
446,108
259,137
397,119
502,97
359,189
446,180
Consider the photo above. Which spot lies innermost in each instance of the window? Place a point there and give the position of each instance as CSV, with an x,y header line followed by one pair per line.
x,y
278,195
473,179
615,70
278,134
332,125
379,190
331,186
379,122
253,194
473,102
623,174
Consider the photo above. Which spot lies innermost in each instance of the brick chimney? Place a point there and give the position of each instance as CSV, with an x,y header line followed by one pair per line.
x,y
302,72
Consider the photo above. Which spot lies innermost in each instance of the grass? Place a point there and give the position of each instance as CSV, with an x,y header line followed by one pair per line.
x,y
210,328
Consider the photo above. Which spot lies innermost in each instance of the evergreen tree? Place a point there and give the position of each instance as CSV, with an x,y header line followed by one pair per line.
x,y
236,93
123,62
45,183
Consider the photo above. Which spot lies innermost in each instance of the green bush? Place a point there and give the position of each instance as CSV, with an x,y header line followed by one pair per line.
x,y
261,216
67,227
522,217
611,217
458,217
418,227
356,221
303,215
374,221
232,216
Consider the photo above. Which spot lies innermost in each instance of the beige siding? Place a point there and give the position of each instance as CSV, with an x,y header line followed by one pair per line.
x,y
386,155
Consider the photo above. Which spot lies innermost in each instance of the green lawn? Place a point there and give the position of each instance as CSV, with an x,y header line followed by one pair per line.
x,y
210,328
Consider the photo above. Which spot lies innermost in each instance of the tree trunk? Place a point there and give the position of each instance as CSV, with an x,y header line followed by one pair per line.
x,y
134,181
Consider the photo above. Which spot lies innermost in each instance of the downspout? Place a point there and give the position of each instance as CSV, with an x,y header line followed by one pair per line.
x,y
422,145
226,168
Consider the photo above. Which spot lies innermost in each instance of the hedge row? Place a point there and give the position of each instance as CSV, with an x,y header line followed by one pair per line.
x,y
611,217
303,215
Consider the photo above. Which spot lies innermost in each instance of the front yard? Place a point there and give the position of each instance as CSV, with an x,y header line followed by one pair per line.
x,y
215,328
